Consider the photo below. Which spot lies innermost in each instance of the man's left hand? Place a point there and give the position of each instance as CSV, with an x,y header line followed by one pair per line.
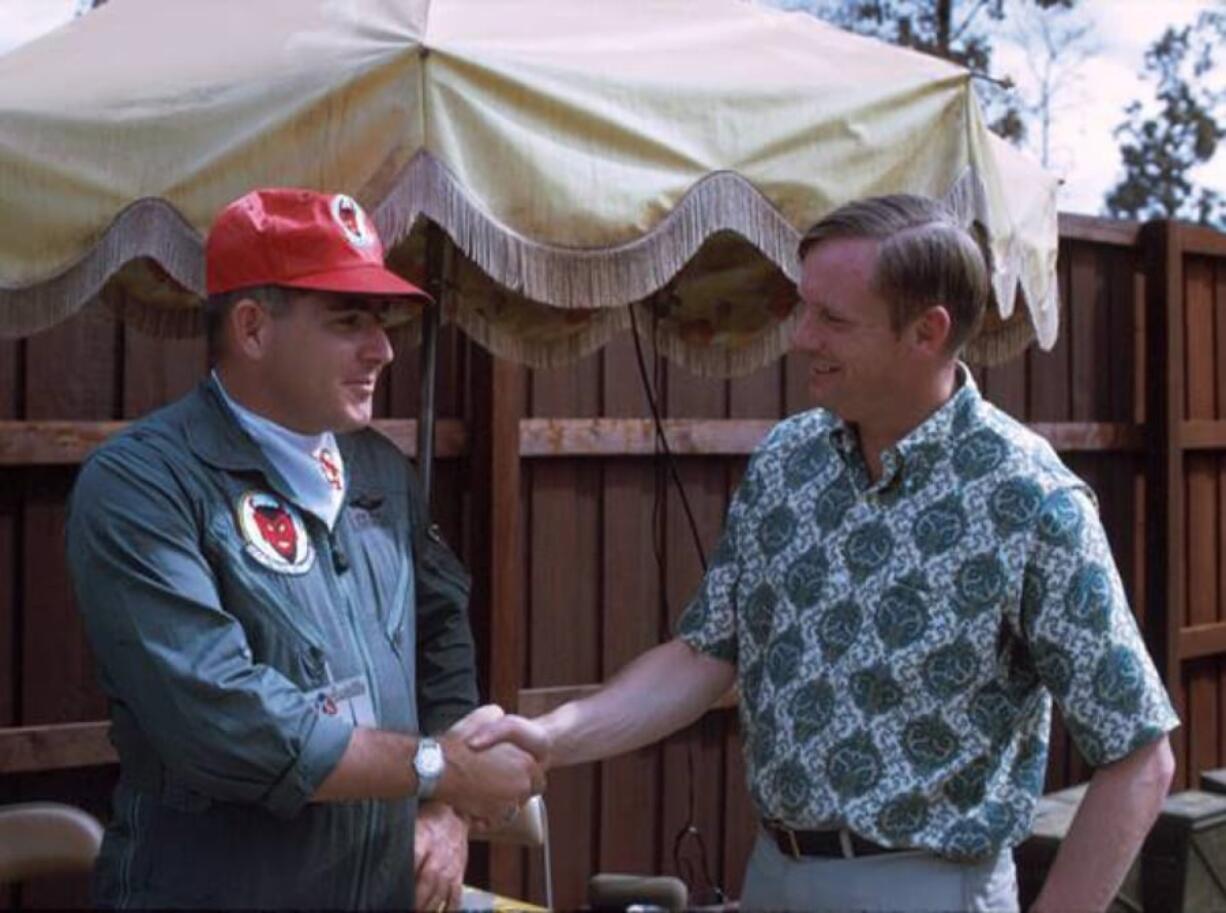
x,y
440,853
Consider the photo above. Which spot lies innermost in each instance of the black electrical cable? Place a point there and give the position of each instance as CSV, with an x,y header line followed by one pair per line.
x,y
662,440
689,830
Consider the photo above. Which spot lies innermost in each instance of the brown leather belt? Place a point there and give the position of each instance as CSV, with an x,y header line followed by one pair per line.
x,y
838,844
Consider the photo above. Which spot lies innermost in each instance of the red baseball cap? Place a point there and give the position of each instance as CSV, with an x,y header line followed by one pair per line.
x,y
300,239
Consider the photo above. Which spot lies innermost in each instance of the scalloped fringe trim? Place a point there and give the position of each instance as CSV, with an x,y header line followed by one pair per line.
x,y
558,276
588,278
146,228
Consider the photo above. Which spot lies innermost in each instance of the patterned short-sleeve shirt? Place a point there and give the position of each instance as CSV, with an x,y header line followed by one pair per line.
x,y
898,644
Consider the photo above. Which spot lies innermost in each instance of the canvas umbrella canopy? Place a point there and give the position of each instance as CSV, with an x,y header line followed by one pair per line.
x,y
578,158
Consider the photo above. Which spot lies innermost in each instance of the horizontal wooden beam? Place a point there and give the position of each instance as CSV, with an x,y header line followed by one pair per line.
x,y
1201,241
607,437
1101,437
67,443
1102,231
1202,640
535,701
27,749
613,437
1201,434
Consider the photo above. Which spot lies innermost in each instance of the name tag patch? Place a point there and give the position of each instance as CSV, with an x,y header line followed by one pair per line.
x,y
348,699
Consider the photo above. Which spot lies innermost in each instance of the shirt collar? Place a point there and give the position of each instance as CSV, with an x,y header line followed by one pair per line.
x,y
215,436
937,429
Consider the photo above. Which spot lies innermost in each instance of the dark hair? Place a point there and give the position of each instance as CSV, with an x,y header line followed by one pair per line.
x,y
925,258
275,298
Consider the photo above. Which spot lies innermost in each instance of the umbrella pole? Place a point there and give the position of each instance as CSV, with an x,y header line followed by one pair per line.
x,y
429,360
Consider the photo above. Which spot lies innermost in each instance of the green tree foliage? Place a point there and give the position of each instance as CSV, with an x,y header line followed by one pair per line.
x,y
1162,143
956,30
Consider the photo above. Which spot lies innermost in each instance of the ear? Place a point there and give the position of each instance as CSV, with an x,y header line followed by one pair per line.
x,y
248,327
930,330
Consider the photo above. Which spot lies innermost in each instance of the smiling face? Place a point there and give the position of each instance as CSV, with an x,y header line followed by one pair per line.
x,y
858,363
316,365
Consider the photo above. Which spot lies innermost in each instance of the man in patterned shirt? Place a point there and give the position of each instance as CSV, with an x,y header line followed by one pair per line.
x,y
907,577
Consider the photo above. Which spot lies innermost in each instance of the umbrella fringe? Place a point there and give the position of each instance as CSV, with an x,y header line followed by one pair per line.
x,y
147,228
568,277
152,230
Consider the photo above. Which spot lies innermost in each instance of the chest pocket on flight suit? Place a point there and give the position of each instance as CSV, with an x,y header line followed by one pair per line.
x,y
276,610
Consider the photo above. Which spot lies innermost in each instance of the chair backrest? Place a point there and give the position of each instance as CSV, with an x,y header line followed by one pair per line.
x,y
46,838
527,828
530,828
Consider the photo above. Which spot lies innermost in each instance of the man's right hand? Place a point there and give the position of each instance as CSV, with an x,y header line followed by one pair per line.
x,y
488,785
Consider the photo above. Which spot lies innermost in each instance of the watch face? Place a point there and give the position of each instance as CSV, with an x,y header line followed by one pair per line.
x,y
430,759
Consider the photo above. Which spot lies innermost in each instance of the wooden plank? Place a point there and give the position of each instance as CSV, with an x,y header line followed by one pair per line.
x,y
1197,240
1048,372
1119,356
693,759
73,371
26,749
741,818
52,443
68,442
1071,437
497,607
636,437
159,371
1090,346
1219,321
12,359
564,629
1202,520
1102,231
1005,386
621,437
630,620
1165,254
1201,640
1201,434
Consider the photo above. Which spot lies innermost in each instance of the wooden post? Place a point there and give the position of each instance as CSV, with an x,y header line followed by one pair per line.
x,y
1168,560
498,616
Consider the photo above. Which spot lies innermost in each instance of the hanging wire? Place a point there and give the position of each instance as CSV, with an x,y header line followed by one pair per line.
x,y
666,467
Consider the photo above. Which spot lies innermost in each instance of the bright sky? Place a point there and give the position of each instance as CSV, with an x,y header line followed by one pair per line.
x,y
1084,151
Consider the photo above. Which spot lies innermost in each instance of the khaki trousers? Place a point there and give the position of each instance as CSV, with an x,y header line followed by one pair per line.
x,y
905,882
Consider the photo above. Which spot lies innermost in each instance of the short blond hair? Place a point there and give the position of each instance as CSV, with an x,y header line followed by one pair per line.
x,y
924,258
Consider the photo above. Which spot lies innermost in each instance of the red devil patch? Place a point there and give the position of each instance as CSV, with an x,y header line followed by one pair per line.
x,y
274,534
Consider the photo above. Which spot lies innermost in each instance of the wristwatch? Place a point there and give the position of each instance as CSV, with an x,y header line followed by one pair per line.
x,y
429,763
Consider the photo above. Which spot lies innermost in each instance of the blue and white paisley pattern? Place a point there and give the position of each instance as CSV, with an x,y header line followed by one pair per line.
x,y
898,643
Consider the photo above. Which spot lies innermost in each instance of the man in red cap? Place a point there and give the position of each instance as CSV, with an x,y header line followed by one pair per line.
x,y
281,632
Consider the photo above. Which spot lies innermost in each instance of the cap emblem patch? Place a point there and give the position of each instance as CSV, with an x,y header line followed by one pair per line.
x,y
352,221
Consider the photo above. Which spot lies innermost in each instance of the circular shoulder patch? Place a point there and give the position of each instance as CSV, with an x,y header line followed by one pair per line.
x,y
274,534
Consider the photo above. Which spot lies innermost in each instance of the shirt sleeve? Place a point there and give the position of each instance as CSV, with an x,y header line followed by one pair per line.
x,y
1083,638
232,729
446,665
709,622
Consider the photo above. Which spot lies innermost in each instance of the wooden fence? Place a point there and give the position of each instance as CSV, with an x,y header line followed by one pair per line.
x,y
583,558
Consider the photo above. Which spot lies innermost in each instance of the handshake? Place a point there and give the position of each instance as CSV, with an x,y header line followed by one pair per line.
x,y
494,764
